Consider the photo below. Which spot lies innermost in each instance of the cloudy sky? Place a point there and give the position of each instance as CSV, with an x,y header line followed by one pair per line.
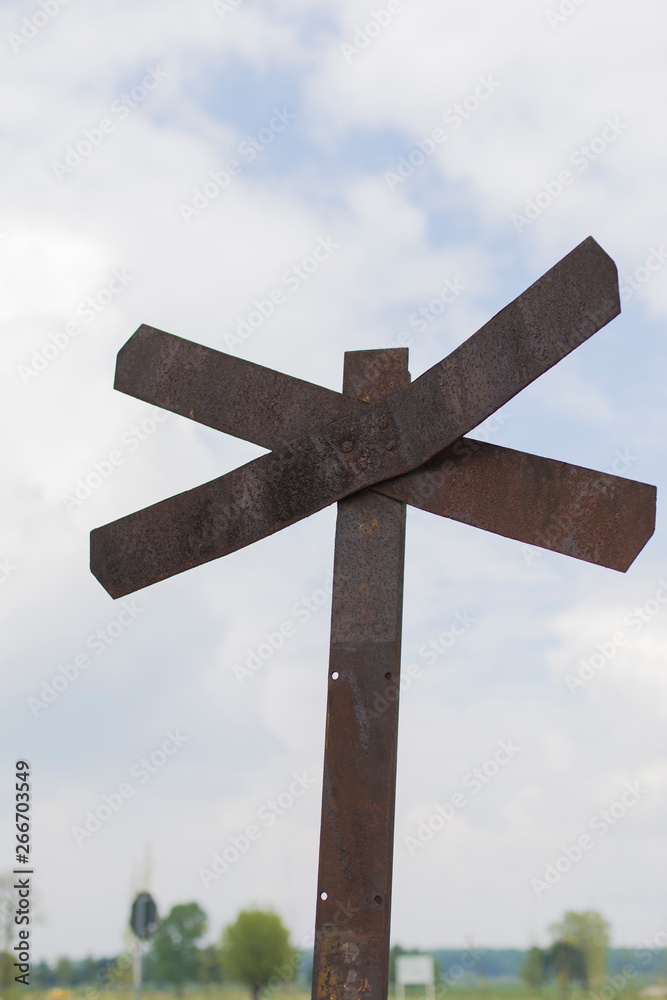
x,y
118,125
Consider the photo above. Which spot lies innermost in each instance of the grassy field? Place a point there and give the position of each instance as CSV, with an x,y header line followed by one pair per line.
x,y
491,990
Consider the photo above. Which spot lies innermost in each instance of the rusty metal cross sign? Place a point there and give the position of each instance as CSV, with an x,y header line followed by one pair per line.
x,y
380,444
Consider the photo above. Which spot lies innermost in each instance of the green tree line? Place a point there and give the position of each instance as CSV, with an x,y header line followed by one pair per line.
x,y
577,954
254,951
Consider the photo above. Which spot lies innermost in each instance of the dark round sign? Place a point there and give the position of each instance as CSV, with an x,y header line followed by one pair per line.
x,y
143,918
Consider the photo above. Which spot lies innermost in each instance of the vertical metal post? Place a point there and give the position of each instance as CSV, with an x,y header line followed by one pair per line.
x,y
137,969
357,830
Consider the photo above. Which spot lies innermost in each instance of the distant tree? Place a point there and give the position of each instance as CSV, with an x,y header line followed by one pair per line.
x,y
85,970
118,973
64,971
41,975
533,970
590,932
175,945
7,972
209,965
256,951
568,964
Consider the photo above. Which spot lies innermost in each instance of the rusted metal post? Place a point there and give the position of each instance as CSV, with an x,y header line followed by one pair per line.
x,y
357,831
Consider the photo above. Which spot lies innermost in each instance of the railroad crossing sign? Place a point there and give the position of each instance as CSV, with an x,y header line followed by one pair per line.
x,y
143,921
378,445
143,917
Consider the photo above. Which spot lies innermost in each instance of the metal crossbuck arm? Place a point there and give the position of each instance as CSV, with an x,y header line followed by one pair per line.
x,y
356,444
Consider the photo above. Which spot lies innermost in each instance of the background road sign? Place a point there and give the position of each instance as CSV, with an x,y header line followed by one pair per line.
x,y
143,918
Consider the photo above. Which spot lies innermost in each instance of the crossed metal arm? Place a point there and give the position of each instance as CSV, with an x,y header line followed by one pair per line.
x,y
409,445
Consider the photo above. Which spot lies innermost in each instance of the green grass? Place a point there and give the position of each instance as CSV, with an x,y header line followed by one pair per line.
x,y
489,990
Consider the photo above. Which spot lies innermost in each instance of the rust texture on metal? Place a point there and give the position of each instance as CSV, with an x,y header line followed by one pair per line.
x,y
359,449
227,393
247,504
598,518
357,830
556,314
589,515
